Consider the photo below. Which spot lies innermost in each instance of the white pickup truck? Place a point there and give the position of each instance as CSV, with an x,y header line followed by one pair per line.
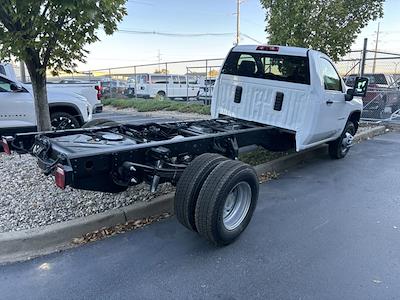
x,y
90,89
297,90
272,96
17,111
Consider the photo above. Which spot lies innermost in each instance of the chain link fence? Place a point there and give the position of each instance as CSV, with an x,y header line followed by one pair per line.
x,y
382,102
181,80
194,79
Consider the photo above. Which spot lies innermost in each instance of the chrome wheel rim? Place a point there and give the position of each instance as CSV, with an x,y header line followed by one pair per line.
x,y
237,205
347,142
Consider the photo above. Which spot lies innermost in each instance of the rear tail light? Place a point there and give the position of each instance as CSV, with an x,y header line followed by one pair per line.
x,y
59,176
99,89
5,145
268,48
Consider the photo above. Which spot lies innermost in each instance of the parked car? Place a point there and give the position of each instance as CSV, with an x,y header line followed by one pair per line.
x,y
91,90
17,111
272,96
87,88
206,91
383,96
8,70
112,87
170,86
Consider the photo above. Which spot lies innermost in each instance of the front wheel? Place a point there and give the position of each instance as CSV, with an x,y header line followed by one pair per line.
x,y
338,149
63,121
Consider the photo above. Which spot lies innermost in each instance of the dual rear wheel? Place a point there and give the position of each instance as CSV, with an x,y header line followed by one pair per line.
x,y
216,197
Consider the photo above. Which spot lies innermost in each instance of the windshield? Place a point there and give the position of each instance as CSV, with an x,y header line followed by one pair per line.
x,y
268,66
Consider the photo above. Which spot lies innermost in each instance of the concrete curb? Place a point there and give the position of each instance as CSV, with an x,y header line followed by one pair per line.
x,y
26,244
370,133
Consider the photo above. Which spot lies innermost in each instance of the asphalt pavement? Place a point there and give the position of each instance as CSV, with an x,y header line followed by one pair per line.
x,y
325,230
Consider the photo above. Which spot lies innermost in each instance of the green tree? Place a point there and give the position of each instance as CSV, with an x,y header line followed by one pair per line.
x,y
51,35
330,26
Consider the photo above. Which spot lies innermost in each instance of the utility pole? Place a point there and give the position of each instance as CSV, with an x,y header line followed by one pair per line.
x,y
159,60
238,22
376,48
22,71
363,58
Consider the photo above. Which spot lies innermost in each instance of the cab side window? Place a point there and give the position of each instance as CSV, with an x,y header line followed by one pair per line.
x,y
4,85
182,79
330,77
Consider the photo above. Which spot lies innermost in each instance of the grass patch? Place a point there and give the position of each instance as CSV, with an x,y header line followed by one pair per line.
x,y
144,105
260,156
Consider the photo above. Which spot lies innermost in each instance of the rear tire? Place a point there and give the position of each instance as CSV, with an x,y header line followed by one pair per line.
x,y
226,202
338,148
63,121
189,186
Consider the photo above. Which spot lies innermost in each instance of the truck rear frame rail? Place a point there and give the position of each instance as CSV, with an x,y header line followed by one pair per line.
x,y
110,159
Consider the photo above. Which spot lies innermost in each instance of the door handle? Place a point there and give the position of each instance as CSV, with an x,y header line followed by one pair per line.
x,y
329,102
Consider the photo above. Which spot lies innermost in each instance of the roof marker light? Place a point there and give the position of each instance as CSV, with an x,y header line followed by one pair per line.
x,y
268,48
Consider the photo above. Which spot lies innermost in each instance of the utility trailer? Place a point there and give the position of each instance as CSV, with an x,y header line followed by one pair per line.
x,y
276,97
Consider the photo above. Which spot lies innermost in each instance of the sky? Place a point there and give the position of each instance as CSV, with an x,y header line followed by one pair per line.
x,y
205,16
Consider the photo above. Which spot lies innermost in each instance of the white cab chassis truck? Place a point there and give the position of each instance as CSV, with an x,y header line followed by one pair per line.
x,y
272,96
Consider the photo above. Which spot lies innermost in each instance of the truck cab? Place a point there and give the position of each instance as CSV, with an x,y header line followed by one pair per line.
x,y
297,90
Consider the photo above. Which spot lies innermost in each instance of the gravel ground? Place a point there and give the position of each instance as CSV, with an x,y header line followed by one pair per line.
x,y
29,199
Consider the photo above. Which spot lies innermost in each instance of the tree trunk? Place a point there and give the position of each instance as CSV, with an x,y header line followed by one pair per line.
x,y
38,79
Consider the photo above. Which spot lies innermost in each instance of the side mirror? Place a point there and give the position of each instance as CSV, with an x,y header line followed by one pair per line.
x,y
359,90
360,87
15,88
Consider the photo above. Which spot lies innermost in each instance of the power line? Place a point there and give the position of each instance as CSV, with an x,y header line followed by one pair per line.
x,y
250,38
175,34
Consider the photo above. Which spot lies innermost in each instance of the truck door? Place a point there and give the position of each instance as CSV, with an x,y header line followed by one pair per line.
x,y
331,117
17,111
183,86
